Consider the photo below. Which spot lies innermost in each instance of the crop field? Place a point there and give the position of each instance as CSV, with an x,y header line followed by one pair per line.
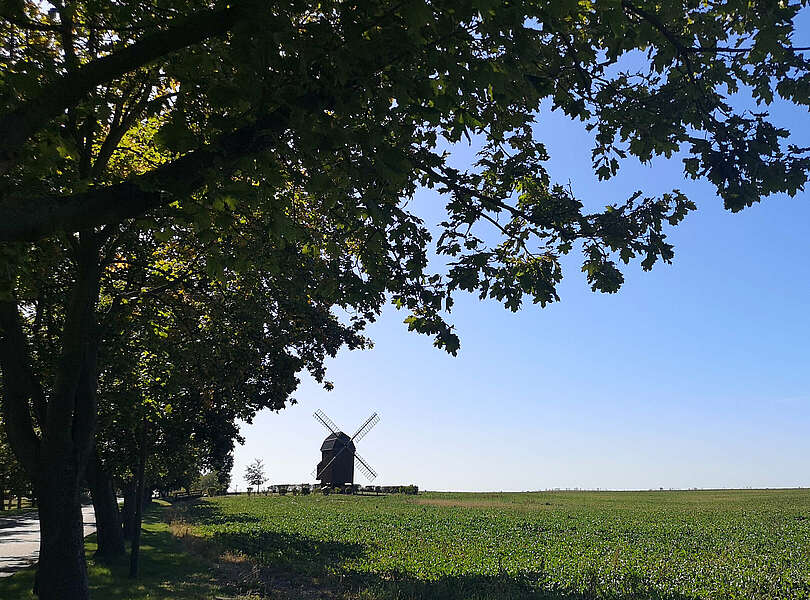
x,y
726,545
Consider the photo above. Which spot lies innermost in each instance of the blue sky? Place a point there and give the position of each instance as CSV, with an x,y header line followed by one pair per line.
x,y
693,375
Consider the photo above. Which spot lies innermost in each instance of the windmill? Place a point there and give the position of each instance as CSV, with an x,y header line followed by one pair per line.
x,y
338,453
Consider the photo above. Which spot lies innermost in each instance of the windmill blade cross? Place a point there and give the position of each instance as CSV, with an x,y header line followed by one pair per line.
x,y
358,461
365,468
325,421
366,427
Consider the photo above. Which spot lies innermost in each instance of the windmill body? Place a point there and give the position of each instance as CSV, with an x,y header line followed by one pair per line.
x,y
337,460
339,453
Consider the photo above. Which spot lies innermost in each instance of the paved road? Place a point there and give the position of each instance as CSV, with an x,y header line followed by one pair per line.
x,y
19,539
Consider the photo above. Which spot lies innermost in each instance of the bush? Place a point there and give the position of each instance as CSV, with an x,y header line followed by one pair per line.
x,y
212,491
304,489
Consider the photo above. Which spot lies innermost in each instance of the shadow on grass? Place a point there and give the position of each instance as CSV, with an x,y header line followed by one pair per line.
x,y
279,583
286,566
167,571
285,552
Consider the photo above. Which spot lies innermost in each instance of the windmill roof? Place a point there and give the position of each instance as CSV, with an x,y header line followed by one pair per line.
x,y
337,440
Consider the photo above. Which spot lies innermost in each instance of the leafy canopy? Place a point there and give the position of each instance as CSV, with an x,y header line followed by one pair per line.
x,y
190,350
328,116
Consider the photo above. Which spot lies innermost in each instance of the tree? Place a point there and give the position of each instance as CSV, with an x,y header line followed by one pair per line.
x,y
325,118
211,483
198,353
254,474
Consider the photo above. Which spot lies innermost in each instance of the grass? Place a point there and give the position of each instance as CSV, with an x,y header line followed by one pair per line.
x,y
559,546
167,571
710,545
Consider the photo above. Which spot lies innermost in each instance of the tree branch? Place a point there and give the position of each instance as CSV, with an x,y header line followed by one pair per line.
x,y
18,125
29,220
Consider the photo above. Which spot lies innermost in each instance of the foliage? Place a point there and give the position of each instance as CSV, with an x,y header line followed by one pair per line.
x,y
192,353
328,117
628,545
208,482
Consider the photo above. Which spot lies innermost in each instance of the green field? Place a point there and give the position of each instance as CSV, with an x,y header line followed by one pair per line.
x,y
562,546
558,546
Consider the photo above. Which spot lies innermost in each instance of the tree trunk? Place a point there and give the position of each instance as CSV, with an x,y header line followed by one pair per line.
x,y
128,510
109,531
54,454
19,502
136,537
62,570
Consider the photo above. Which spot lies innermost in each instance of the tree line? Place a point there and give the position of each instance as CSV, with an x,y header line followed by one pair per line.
x,y
201,200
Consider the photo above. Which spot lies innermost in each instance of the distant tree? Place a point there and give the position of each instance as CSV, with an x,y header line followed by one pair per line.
x,y
254,474
209,483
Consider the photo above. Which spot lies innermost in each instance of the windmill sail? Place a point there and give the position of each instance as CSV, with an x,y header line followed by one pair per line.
x,y
365,468
365,427
325,421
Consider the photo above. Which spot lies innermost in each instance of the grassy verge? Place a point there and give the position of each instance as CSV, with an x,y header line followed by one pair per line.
x,y
167,571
